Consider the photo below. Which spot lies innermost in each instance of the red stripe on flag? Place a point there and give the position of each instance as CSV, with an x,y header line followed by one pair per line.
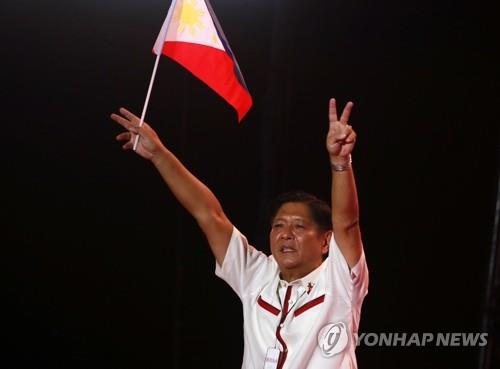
x,y
214,67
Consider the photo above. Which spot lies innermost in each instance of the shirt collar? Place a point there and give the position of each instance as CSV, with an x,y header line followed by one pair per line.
x,y
308,281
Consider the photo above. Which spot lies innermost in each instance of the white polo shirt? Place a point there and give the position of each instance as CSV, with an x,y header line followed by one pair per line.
x,y
312,321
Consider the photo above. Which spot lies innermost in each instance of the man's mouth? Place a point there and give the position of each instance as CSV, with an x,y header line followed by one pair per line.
x,y
287,249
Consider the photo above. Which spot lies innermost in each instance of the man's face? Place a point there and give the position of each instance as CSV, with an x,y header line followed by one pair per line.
x,y
296,241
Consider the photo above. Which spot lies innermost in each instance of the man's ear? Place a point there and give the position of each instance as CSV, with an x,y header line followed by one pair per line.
x,y
326,241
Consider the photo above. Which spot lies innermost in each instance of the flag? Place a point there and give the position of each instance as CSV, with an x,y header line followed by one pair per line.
x,y
191,35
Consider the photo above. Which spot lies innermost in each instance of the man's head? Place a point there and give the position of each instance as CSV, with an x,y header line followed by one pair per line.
x,y
301,227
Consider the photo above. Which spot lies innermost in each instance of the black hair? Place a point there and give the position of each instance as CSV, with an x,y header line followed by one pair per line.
x,y
320,210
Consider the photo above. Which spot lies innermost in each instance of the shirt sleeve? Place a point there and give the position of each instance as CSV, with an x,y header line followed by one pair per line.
x,y
353,280
243,265
360,278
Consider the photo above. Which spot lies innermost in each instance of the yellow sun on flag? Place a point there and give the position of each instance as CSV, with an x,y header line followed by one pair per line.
x,y
215,40
189,17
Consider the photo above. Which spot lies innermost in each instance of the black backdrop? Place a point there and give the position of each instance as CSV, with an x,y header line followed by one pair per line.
x,y
102,268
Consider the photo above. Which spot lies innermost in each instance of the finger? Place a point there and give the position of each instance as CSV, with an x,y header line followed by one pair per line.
x,y
128,146
351,138
346,113
127,114
340,137
125,123
332,111
125,136
341,131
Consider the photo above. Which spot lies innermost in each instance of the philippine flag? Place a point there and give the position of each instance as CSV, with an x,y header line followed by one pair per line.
x,y
191,35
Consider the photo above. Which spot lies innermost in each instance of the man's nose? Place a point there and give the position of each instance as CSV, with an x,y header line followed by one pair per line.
x,y
286,233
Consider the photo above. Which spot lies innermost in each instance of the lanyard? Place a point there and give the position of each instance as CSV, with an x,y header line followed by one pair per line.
x,y
287,308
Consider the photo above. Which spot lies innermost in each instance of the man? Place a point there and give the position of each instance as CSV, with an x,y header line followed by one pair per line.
x,y
301,305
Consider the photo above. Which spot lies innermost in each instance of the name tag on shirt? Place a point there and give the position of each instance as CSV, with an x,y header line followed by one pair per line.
x,y
272,357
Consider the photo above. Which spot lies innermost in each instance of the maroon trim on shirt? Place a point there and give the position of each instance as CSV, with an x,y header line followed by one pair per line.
x,y
267,306
284,313
284,353
309,305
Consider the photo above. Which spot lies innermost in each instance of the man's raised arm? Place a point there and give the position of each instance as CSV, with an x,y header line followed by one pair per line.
x,y
345,212
192,194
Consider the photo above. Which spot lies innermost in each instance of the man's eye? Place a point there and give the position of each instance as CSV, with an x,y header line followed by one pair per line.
x,y
277,225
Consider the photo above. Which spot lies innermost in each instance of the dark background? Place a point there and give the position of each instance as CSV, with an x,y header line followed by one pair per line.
x,y
103,269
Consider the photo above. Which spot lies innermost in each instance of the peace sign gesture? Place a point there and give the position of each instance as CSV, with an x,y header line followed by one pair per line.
x,y
341,137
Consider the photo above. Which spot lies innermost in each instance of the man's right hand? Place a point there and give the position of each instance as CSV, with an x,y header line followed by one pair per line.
x,y
149,143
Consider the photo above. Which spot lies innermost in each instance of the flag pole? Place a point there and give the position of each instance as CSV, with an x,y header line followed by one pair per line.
x,y
163,36
136,140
